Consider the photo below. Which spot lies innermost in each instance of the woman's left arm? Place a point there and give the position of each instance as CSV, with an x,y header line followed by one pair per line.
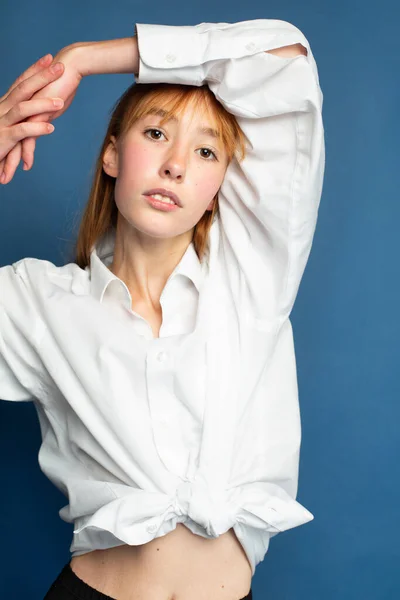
x,y
263,72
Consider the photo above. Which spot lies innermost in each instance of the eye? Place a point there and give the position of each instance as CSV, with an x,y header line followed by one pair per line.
x,y
212,152
205,148
148,130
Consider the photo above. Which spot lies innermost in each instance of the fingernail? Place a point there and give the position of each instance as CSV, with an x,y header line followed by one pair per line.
x,y
58,102
25,167
56,68
3,178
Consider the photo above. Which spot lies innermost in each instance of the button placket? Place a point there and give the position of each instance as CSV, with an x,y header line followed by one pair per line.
x,y
162,356
161,403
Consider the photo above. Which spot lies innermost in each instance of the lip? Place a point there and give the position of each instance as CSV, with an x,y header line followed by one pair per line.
x,y
159,205
164,192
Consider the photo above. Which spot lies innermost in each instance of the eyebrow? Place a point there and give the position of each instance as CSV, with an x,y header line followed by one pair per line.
x,y
160,112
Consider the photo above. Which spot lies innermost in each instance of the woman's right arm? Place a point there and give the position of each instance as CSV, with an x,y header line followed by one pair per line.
x,y
21,332
17,105
19,327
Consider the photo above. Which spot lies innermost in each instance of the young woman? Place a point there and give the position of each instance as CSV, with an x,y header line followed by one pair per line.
x,y
161,360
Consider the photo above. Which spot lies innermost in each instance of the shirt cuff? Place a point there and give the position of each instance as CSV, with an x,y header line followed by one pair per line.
x,y
169,54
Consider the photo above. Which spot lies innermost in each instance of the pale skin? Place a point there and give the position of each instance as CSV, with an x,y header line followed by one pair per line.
x,y
149,244
19,103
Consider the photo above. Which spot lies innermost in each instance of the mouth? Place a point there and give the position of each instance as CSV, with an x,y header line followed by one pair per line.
x,y
163,195
163,205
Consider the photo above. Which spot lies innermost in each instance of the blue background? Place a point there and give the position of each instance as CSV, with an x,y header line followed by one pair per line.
x,y
345,319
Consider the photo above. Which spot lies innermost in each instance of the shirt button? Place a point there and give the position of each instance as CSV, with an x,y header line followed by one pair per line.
x,y
171,58
162,356
152,528
250,46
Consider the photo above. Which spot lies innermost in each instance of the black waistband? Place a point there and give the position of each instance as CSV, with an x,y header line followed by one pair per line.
x,y
70,581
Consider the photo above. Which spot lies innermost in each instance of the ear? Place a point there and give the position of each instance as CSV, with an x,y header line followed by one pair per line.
x,y
110,158
211,205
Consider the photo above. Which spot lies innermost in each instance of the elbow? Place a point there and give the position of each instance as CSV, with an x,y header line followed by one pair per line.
x,y
289,51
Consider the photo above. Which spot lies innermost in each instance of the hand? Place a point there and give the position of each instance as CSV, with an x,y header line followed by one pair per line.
x,y
64,87
16,105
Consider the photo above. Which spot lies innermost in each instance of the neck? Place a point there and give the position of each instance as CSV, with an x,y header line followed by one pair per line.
x,y
145,263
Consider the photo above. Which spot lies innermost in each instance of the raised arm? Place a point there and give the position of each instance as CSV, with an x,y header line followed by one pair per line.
x,y
262,71
122,55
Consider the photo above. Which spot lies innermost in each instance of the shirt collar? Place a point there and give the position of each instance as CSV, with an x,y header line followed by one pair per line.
x,y
102,256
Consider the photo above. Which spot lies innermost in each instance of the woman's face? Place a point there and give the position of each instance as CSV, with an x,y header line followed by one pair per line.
x,y
176,156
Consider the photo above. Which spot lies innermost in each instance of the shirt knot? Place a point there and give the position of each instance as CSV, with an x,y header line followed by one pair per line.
x,y
211,511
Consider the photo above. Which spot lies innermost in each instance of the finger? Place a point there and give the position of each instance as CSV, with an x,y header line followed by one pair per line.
x,y
20,131
42,63
28,87
12,162
29,143
30,108
28,152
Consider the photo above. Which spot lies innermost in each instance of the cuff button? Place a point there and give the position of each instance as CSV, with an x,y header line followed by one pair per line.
x,y
171,58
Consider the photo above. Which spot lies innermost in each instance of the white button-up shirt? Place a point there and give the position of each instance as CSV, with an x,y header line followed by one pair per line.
x,y
200,426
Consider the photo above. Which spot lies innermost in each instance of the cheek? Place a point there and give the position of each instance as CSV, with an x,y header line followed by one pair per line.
x,y
136,160
207,187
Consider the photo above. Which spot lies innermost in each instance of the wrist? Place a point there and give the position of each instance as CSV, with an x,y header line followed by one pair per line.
x,y
109,56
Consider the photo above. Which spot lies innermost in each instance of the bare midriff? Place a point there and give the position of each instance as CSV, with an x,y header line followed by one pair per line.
x,y
180,565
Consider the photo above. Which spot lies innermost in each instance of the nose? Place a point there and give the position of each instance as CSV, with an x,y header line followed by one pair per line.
x,y
175,165
174,173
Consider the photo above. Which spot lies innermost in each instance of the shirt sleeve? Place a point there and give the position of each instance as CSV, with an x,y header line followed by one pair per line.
x,y
20,333
269,201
